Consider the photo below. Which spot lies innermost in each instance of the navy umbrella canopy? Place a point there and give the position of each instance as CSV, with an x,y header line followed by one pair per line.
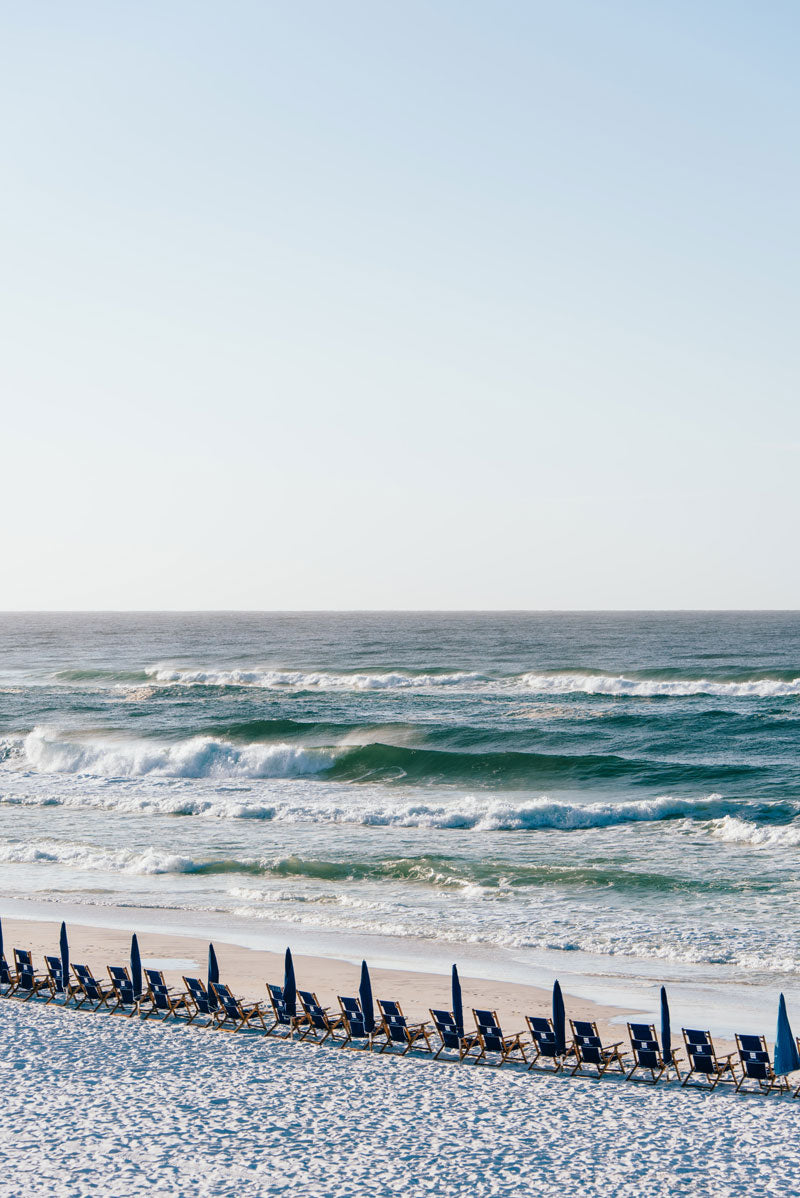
x,y
559,1019
458,1005
666,1031
365,995
136,967
289,985
64,949
213,974
786,1058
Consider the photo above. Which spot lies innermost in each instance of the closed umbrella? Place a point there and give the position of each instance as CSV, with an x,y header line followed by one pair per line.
x,y
136,967
458,1006
559,1019
289,986
64,947
213,974
365,994
666,1032
786,1058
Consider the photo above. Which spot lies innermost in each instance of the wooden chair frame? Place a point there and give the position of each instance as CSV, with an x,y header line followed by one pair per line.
x,y
193,1007
772,1081
719,1065
445,1025
318,1019
351,1022
236,1011
537,1034
648,1044
508,1045
23,963
394,1021
98,1000
54,976
607,1055
121,1002
173,1005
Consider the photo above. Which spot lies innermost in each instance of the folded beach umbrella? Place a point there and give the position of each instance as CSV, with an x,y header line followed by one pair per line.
x,y
458,1006
64,947
213,974
289,986
786,1058
136,967
365,994
666,1031
559,1019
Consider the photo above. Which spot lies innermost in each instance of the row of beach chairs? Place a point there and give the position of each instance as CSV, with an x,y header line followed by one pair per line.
x,y
215,1006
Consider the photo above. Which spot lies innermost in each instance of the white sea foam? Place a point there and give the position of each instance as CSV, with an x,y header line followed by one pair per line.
x,y
601,684
93,858
538,682
48,751
761,836
311,680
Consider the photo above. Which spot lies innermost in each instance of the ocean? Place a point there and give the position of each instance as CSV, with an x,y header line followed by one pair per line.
x,y
610,797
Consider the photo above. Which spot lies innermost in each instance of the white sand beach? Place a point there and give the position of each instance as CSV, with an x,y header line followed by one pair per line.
x,y
102,1104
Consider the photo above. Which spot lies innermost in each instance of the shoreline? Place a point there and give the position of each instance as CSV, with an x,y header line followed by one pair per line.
x,y
247,970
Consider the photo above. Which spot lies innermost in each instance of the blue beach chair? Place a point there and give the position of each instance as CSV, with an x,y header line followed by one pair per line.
x,y
545,1045
199,1003
164,1003
126,1002
647,1054
89,990
59,988
399,1031
493,1042
29,982
234,1015
704,1062
280,1015
354,1024
757,1067
450,1037
8,979
590,1052
319,1025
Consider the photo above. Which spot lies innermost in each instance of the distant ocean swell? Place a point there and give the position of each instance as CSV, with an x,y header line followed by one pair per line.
x,y
634,684
51,751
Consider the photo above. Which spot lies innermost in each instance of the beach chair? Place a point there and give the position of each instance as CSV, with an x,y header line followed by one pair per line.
x,y
757,1067
703,1060
399,1031
280,1016
29,983
493,1042
647,1053
545,1048
58,986
318,1025
590,1052
450,1037
164,1003
88,989
8,979
233,1014
198,1002
125,1001
354,1025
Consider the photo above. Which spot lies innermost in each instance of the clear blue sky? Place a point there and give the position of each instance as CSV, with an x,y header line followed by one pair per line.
x,y
372,304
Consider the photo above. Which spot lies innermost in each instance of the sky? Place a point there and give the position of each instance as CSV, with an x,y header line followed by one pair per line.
x,y
373,305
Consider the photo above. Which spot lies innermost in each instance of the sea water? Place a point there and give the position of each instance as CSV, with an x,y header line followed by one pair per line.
x,y
610,797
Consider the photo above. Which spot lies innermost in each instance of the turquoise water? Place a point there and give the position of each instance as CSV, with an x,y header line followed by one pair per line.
x,y
615,790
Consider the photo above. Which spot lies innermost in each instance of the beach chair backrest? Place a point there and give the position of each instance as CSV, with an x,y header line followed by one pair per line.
x,y
6,978
644,1046
313,1010
590,1048
445,1024
489,1033
700,1050
155,979
226,1000
199,995
123,986
87,982
580,1027
55,972
642,1031
278,1004
394,1021
754,1057
354,1018
25,971
542,1034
